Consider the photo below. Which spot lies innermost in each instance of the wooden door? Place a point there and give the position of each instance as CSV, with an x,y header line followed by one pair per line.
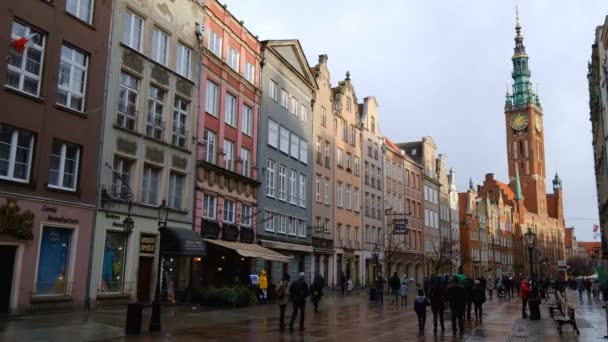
x,y
144,279
7,263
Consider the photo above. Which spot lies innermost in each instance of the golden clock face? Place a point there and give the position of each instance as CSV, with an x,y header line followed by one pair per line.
x,y
519,121
539,123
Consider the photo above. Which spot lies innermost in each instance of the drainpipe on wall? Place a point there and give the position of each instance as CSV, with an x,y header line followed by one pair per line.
x,y
100,164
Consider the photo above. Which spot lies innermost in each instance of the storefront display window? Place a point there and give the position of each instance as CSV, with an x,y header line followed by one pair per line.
x,y
113,262
53,261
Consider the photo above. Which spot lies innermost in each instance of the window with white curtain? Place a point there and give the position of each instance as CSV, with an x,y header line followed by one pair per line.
x,y
72,80
282,182
273,133
284,140
81,9
270,180
183,60
132,30
16,150
304,151
160,42
302,191
295,146
293,187
63,171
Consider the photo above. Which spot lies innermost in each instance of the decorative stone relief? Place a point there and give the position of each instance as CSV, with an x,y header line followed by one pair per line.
x,y
132,60
124,145
183,87
157,156
180,163
160,75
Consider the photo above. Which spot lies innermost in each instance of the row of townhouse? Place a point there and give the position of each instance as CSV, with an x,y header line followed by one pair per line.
x,y
163,141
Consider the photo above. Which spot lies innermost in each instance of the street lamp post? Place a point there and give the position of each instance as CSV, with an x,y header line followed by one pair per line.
x,y
155,324
530,238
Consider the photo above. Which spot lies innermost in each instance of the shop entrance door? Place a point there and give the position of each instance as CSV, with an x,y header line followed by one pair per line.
x,y
144,279
7,264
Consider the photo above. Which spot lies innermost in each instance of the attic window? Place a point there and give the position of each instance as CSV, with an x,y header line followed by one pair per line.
x,y
413,151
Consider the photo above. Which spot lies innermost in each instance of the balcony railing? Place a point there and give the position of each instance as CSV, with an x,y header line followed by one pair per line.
x,y
155,127
127,117
179,136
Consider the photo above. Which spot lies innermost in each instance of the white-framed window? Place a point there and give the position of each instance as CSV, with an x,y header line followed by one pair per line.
x,y
356,206
273,90
353,135
344,130
281,223
284,98
323,117
215,43
339,157
292,226
284,140
212,98
230,111
209,141
282,182
209,207
16,149
81,9
132,30
229,154
340,197
348,161
318,188
357,166
121,177
250,72
63,171
348,197
293,187
302,191
295,143
183,60
294,106
160,42
303,113
71,84
127,101
327,159
180,122
273,133
245,162
247,120
304,152
302,228
246,215
270,186
156,105
24,69
326,189
233,59
269,221
229,211
176,190
149,186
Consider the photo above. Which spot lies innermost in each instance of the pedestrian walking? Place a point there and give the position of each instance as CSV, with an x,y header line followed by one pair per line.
x,y
437,296
405,287
349,286
317,291
595,289
490,286
343,282
581,288
283,298
456,297
263,286
420,304
588,286
479,297
468,287
380,288
395,285
524,294
298,291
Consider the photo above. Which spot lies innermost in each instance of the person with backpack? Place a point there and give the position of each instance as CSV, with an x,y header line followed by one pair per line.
x,y
394,284
420,304
298,292
283,298
317,291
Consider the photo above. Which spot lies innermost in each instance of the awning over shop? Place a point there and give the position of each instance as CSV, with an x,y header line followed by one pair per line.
x,y
181,241
251,250
287,246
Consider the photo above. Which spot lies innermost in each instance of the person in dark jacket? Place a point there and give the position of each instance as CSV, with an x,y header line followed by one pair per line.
x,y
317,291
468,287
420,304
479,297
380,288
298,291
395,284
437,296
456,296
343,282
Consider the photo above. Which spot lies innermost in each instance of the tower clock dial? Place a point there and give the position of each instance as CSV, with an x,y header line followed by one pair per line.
x,y
539,123
519,121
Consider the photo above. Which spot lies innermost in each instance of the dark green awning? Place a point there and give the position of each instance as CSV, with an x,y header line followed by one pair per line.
x,y
181,241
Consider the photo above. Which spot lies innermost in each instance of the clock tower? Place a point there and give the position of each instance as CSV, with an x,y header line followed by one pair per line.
x,y
524,131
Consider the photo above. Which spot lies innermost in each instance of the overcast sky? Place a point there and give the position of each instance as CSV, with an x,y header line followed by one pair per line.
x,y
440,68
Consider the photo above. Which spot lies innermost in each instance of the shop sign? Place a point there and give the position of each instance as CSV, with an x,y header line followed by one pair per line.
x,y
562,265
15,222
54,217
147,243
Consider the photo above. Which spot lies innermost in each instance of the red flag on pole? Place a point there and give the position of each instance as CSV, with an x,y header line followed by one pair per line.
x,y
596,228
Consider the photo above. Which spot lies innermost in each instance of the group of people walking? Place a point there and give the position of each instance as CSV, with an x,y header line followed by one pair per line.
x,y
296,293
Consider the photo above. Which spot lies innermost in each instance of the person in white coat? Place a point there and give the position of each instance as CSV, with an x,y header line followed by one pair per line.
x,y
405,286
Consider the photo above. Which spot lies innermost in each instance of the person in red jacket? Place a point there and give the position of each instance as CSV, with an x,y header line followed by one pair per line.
x,y
524,294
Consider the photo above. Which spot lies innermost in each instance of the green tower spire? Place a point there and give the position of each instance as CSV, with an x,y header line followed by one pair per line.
x,y
522,87
518,195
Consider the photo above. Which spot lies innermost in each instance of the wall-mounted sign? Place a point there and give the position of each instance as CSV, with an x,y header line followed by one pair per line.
x,y
147,243
54,217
